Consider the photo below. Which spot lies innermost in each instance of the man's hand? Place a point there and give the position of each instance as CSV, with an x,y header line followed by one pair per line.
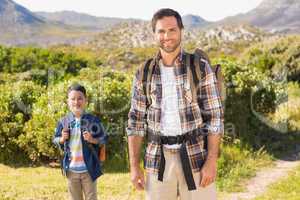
x,y
208,173
136,174
137,178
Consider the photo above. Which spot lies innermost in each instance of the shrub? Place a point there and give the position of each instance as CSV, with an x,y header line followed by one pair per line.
x,y
15,109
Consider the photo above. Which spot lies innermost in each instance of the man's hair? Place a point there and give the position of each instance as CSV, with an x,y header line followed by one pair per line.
x,y
76,87
166,12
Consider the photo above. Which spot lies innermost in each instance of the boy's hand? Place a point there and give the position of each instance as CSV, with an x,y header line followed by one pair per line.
x,y
87,136
64,136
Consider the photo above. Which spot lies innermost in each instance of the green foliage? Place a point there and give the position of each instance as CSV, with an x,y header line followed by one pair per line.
x,y
264,61
15,109
251,96
288,112
41,64
108,96
280,57
237,163
252,92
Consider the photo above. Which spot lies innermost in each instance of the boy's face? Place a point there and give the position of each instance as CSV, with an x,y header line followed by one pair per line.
x,y
76,102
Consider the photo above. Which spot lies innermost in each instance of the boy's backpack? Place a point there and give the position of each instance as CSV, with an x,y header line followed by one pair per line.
x,y
195,68
101,154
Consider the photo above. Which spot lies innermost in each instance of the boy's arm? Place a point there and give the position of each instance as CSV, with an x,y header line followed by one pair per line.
x,y
100,134
57,135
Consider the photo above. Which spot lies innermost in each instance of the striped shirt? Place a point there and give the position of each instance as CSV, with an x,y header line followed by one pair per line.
x,y
77,163
193,117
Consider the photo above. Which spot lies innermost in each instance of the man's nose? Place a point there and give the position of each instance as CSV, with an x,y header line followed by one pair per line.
x,y
167,35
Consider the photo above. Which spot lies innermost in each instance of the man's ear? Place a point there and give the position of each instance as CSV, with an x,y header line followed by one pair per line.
x,y
182,33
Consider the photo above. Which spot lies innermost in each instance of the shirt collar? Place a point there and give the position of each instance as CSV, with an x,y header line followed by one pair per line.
x,y
178,60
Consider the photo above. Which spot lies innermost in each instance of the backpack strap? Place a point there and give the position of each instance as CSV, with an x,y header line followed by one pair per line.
x,y
147,71
195,71
191,76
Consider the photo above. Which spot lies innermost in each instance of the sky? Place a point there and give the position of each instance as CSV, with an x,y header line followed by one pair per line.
x,y
211,10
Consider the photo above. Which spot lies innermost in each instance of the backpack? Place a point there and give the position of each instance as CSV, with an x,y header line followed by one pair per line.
x,y
101,154
194,73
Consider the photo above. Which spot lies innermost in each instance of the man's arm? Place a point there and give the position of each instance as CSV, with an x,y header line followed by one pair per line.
x,y
212,113
137,176
134,144
136,131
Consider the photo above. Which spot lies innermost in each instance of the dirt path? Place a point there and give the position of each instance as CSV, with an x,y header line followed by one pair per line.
x,y
258,184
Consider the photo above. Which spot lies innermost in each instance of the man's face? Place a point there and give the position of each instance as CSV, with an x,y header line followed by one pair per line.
x,y
167,34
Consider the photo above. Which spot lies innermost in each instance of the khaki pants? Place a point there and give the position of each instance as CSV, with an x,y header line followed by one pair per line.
x,y
174,183
79,183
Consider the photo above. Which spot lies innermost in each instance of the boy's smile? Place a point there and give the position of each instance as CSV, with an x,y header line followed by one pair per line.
x,y
76,102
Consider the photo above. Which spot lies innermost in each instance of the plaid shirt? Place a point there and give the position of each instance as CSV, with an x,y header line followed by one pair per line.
x,y
193,117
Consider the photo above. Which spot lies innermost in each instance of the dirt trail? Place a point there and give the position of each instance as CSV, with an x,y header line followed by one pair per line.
x,y
258,184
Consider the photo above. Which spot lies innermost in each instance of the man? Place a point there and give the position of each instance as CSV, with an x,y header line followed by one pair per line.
x,y
183,136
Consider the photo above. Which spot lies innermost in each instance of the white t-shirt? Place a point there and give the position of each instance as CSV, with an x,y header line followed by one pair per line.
x,y
170,119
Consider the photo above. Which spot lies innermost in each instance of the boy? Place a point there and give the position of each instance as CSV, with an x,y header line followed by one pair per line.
x,y
80,134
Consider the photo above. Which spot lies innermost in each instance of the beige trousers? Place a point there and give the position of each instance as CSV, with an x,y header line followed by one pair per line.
x,y
79,184
174,183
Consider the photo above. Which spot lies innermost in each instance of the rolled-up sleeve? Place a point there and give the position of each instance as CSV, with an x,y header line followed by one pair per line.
x,y
137,113
57,135
211,104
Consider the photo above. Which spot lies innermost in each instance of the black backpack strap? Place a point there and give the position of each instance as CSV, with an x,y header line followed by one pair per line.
x,y
195,72
147,72
191,77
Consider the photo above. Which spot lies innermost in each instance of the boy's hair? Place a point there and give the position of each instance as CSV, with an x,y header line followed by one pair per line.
x,y
76,87
166,12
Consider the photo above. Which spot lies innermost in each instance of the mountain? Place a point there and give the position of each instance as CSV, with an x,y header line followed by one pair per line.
x,y
194,21
272,15
104,23
15,17
138,33
20,26
81,20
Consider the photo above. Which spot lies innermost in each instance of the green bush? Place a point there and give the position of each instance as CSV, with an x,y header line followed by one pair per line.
x,y
250,96
15,109
108,95
288,112
280,58
43,65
